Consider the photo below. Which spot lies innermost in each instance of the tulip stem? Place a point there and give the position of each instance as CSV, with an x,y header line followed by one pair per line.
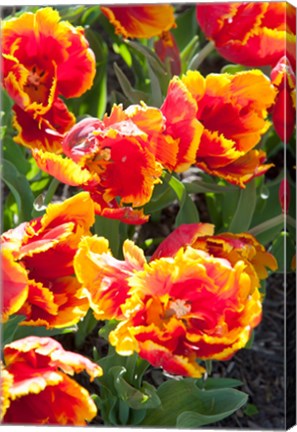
x,y
201,56
51,191
265,226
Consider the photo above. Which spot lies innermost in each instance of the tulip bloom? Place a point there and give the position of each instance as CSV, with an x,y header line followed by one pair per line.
x,y
120,159
140,21
252,34
233,111
284,109
37,389
38,264
197,298
44,58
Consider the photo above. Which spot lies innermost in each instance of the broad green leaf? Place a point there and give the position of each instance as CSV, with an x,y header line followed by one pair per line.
x,y
145,397
84,327
218,383
184,405
242,218
200,186
186,27
10,327
24,331
188,212
16,155
20,188
108,228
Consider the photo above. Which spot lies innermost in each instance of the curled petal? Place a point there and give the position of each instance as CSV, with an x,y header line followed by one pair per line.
x,y
241,170
69,403
53,356
105,283
44,132
6,384
63,169
181,124
15,280
184,235
140,21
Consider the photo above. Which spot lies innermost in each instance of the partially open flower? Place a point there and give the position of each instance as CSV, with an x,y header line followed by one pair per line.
x,y
284,109
233,112
37,389
250,33
140,21
39,280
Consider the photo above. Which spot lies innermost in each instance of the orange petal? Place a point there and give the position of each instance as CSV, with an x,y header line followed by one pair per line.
x,y
15,284
63,169
140,21
184,235
45,132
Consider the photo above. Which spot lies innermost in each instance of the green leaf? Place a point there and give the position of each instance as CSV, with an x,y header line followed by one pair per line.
x,y
188,212
200,186
20,188
145,397
24,331
134,96
184,405
251,410
108,228
242,218
15,154
10,327
233,69
188,52
151,57
84,327
218,383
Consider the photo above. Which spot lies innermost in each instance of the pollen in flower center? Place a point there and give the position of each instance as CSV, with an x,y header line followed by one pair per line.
x,y
179,308
35,77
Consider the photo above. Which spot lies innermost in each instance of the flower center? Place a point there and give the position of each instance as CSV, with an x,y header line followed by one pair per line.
x,y
36,84
179,308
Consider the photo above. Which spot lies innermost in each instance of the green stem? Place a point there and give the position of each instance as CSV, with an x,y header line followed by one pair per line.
x,y
201,56
265,226
51,191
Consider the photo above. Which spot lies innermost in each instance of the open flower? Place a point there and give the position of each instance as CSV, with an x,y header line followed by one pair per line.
x,y
120,159
39,280
140,21
250,33
37,389
197,298
44,58
284,109
233,111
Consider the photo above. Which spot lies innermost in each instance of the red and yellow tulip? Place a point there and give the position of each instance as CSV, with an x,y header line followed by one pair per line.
x,y
37,389
39,280
284,109
233,111
44,58
197,298
250,33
